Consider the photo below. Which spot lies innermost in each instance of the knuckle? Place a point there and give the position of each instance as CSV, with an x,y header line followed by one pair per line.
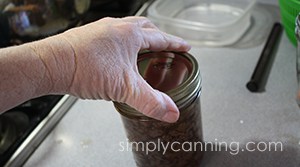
x,y
126,29
107,18
131,28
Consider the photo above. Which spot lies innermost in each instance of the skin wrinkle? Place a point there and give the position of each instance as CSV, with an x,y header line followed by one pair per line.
x,y
20,69
104,95
55,62
92,83
96,93
165,40
164,37
131,87
105,82
116,86
112,83
138,43
152,108
62,65
132,91
102,52
136,94
45,65
31,80
111,71
125,71
145,43
110,49
145,104
75,62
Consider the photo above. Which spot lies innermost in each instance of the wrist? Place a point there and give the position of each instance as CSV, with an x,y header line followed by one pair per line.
x,y
57,56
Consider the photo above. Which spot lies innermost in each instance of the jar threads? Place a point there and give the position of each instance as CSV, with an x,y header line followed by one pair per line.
x,y
178,75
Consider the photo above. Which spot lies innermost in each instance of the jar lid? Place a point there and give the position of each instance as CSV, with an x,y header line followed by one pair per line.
x,y
174,73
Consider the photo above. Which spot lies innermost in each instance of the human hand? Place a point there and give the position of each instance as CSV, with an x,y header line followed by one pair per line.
x,y
105,55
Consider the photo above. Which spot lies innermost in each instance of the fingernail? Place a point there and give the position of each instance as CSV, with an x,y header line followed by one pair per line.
x,y
171,116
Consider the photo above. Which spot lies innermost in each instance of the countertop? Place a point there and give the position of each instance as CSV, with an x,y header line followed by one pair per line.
x,y
91,132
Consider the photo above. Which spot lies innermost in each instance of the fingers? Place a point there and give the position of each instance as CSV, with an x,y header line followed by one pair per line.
x,y
157,40
153,103
142,22
154,39
151,37
148,101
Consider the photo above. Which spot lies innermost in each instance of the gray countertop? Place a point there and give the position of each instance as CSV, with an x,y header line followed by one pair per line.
x,y
91,132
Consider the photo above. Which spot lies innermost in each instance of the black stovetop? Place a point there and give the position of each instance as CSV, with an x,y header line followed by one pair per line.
x,y
17,123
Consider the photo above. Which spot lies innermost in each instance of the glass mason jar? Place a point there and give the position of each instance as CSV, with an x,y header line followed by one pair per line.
x,y
156,143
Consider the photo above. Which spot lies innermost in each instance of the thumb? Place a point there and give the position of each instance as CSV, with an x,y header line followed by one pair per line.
x,y
153,103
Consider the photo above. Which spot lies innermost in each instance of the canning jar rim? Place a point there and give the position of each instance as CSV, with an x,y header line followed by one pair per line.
x,y
191,78
182,95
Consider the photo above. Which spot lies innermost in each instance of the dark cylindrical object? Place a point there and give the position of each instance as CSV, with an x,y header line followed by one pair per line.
x,y
155,143
264,64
